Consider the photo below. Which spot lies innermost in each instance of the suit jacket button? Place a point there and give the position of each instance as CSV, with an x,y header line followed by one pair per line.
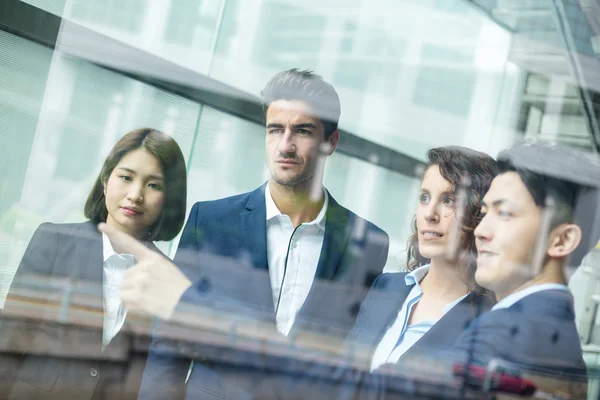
x,y
93,372
204,285
355,309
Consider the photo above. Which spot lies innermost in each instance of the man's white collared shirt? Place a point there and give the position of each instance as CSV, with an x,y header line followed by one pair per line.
x,y
114,266
293,256
511,299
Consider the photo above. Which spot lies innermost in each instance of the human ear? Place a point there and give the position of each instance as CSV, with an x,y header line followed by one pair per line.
x,y
333,141
564,240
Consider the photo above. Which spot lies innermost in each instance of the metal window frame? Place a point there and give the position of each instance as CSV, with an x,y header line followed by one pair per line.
x,y
73,39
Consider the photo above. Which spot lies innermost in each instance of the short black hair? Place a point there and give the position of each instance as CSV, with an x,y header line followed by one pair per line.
x,y
168,153
542,187
566,176
308,87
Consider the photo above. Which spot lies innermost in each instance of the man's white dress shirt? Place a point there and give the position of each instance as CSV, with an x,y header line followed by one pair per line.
x,y
293,255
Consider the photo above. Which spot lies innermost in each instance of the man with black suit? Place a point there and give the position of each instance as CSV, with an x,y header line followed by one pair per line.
x,y
286,250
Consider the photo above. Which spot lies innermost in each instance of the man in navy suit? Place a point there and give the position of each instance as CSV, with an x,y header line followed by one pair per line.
x,y
286,252
540,216
290,227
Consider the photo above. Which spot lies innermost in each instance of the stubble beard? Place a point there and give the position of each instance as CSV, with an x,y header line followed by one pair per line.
x,y
291,182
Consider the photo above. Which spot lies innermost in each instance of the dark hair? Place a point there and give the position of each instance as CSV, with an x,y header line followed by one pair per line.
x,y
308,87
474,171
542,187
168,153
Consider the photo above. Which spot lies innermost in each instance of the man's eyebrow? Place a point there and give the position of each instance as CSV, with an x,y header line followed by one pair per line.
x,y
304,125
131,171
274,125
495,203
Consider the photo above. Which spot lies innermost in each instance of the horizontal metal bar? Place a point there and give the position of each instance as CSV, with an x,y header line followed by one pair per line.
x,y
30,22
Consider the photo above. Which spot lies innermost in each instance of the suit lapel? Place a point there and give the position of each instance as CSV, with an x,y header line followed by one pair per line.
x,y
383,312
334,242
443,333
380,310
254,233
329,267
89,254
88,271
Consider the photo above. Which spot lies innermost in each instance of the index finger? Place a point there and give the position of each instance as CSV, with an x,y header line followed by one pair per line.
x,y
123,243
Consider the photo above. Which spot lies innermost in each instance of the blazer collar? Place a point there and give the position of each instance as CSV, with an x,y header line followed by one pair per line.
x,y
383,307
337,232
273,211
89,253
331,266
253,220
256,199
254,227
445,332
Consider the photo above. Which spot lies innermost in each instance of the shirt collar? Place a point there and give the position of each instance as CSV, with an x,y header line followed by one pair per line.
x,y
107,249
416,275
273,211
515,297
